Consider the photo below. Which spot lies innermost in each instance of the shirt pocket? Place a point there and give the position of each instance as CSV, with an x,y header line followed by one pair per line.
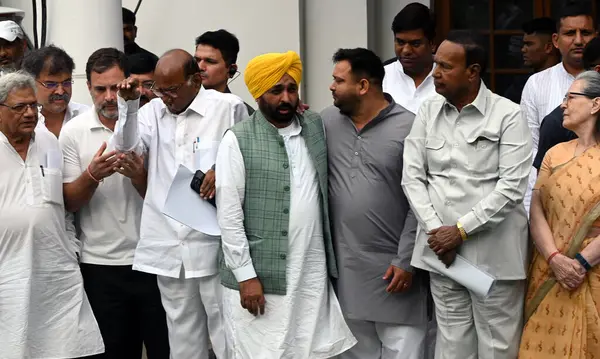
x,y
483,154
436,156
52,186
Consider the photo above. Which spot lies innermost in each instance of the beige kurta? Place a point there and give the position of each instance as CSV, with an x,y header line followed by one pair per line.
x,y
44,312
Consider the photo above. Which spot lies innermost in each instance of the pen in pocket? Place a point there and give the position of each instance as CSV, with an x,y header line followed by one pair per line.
x,y
42,168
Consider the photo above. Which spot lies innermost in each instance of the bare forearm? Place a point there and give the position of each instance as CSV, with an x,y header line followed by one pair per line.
x,y
540,230
591,253
141,185
79,192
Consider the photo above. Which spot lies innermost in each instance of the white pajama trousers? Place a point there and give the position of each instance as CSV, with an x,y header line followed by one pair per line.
x,y
194,313
386,341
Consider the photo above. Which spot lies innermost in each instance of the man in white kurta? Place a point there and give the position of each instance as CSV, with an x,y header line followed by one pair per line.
x,y
300,318
44,312
167,130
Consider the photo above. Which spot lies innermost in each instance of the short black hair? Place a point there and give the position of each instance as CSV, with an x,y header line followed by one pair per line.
x,y
54,59
540,25
364,64
191,67
573,8
472,42
415,16
128,17
591,54
223,41
141,63
104,59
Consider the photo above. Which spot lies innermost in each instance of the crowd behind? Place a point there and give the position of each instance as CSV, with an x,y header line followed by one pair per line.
x,y
339,229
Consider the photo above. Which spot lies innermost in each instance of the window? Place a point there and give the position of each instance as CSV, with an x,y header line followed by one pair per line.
x,y
499,21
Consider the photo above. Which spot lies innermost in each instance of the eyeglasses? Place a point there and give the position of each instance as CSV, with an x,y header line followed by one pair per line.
x,y
171,91
569,95
147,85
51,85
20,108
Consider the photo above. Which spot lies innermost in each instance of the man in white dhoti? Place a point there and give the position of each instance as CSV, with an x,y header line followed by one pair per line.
x,y
272,209
44,312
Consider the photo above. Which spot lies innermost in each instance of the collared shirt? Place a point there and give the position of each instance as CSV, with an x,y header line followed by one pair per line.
x,y
471,166
552,133
543,92
402,87
74,109
110,221
168,139
373,225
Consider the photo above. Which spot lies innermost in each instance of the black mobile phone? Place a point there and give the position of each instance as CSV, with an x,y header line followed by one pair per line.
x,y
197,182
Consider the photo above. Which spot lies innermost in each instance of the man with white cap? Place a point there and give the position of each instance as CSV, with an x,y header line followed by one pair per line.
x,y
12,45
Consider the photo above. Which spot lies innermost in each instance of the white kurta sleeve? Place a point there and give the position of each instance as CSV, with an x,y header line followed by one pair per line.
x,y
133,130
230,185
240,112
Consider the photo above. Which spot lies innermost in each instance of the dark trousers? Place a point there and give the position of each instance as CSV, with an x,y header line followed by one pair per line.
x,y
127,306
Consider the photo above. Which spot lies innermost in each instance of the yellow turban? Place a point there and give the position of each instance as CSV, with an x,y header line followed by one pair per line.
x,y
265,71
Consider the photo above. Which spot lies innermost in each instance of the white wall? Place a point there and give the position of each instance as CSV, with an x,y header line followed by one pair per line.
x,y
325,31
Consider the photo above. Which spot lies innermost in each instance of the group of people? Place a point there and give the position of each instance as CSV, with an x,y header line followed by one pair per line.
x,y
333,224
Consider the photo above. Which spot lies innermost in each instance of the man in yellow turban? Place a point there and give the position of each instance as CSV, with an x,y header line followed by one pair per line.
x,y
272,208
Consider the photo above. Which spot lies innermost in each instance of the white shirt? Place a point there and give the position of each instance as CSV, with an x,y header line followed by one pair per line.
x,y
402,87
308,315
543,92
44,312
74,109
165,244
110,221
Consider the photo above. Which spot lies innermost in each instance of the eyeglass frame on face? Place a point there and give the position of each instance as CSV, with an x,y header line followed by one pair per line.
x,y
17,108
171,92
51,85
567,96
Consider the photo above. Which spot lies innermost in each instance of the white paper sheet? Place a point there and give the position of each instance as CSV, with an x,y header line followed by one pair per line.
x,y
186,207
463,272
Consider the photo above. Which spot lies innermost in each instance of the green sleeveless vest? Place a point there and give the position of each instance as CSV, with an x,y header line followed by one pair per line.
x,y
267,197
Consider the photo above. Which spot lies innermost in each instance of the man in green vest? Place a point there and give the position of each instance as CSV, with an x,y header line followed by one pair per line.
x,y
271,184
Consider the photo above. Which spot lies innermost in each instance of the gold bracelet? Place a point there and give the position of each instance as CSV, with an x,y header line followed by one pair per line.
x,y
462,231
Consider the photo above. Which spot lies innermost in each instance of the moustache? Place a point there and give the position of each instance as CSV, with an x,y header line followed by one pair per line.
x,y
285,106
109,103
56,97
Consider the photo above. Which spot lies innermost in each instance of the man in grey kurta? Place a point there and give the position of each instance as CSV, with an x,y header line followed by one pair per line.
x,y
383,299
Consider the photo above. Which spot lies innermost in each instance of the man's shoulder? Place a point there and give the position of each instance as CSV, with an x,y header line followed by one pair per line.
x,y
78,107
80,122
432,103
503,104
554,117
541,78
330,112
224,98
310,117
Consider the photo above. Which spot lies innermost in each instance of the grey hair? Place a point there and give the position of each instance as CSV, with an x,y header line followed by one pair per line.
x,y
15,81
591,88
592,83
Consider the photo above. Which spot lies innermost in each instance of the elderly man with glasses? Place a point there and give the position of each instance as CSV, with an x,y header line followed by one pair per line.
x,y
53,69
167,131
44,312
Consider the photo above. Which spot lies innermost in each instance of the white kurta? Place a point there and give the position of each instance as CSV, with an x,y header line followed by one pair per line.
x,y
44,312
307,322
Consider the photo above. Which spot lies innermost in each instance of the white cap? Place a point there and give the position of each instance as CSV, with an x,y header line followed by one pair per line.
x,y
9,30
